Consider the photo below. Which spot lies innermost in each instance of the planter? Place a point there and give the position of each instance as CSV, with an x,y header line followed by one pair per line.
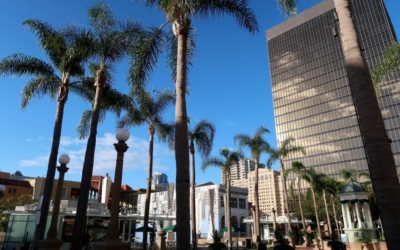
x,y
364,246
217,246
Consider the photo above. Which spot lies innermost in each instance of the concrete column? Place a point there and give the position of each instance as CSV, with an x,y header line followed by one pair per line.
x,y
348,215
359,225
344,211
367,213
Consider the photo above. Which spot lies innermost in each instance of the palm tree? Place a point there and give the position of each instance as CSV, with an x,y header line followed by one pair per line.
x,y
325,185
382,165
226,160
257,145
203,136
112,42
285,149
149,110
314,179
332,186
67,50
297,168
390,63
179,14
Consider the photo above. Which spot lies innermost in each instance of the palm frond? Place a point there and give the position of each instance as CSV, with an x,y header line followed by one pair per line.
x,y
245,17
212,162
287,7
347,173
144,56
172,53
84,124
38,87
50,39
203,135
389,64
166,132
21,64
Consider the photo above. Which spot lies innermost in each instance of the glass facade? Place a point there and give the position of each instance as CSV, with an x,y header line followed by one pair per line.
x,y
311,93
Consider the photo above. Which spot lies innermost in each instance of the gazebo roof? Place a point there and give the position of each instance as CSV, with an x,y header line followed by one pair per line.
x,y
352,187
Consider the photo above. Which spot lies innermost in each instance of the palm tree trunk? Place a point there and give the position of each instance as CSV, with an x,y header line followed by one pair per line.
x,y
51,167
257,208
300,205
316,215
327,214
148,188
80,217
193,198
334,214
376,142
285,195
228,208
182,149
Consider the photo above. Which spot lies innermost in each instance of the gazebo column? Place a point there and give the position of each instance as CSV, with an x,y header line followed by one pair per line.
x,y
359,225
349,220
344,210
367,214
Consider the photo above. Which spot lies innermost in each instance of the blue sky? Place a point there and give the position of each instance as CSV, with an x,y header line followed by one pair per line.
x,y
229,85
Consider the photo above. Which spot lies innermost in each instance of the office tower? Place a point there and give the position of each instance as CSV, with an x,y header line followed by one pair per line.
x,y
239,172
268,189
310,87
159,182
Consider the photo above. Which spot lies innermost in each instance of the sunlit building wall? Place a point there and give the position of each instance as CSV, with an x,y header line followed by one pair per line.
x,y
311,93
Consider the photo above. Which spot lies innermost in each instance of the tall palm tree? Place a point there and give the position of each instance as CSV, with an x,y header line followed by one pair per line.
x,y
67,50
314,179
202,135
297,168
376,141
285,149
325,186
150,110
332,186
112,42
226,160
179,14
257,145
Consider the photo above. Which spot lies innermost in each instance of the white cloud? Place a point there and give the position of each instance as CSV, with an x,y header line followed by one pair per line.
x,y
135,158
39,161
29,140
229,122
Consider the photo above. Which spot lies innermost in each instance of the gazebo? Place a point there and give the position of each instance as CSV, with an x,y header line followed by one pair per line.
x,y
356,212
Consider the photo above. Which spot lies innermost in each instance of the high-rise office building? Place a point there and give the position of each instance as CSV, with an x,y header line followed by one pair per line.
x,y
240,171
159,182
311,94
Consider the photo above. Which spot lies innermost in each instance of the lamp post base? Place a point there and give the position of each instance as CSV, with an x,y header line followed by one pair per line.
x,y
50,244
112,245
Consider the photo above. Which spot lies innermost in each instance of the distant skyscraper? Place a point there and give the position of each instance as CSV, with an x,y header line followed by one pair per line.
x,y
160,181
239,172
310,87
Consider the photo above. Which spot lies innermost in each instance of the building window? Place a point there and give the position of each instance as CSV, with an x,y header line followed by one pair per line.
x,y
14,191
64,192
242,203
9,190
243,227
221,200
223,221
234,221
233,203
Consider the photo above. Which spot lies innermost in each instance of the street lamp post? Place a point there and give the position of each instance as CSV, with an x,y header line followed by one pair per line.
x,y
2,188
51,242
274,221
113,241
